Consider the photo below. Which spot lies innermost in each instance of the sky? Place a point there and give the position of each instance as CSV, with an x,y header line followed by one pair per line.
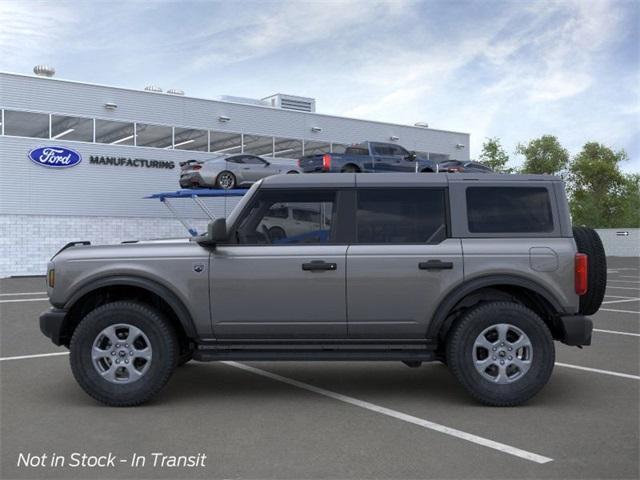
x,y
514,70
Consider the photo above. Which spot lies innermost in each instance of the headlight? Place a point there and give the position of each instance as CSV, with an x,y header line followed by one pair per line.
x,y
51,278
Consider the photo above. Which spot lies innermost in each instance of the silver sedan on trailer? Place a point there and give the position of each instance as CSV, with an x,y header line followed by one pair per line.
x,y
231,171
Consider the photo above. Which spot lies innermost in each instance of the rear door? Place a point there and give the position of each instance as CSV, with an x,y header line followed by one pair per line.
x,y
402,262
281,279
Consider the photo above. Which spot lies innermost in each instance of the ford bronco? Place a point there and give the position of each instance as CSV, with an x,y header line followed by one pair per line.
x,y
479,271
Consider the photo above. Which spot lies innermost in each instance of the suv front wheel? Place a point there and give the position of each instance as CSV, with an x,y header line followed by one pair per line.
x,y
123,353
501,352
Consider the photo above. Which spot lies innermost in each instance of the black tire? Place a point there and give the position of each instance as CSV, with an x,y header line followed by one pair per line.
x,y
223,175
277,233
350,169
292,172
588,241
460,351
184,359
164,349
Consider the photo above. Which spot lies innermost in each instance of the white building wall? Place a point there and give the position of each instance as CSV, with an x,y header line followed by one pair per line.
x,y
27,242
617,244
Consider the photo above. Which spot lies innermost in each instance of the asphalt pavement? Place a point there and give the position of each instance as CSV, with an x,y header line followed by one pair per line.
x,y
299,420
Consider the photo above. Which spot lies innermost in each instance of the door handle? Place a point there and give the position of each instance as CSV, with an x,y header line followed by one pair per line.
x,y
435,265
319,266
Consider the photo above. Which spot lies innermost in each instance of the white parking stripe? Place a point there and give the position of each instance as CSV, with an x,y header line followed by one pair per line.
x,y
623,281
616,296
621,301
40,355
618,311
23,293
628,276
25,300
616,332
637,289
597,370
533,457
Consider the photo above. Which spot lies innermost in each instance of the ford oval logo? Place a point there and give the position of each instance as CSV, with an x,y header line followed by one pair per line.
x,y
55,157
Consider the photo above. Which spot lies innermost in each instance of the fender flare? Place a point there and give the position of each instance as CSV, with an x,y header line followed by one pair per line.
x,y
174,302
440,316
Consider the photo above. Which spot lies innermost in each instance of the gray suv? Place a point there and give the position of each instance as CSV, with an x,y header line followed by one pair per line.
x,y
480,271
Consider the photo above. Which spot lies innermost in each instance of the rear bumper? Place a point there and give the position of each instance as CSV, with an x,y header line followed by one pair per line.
x,y
52,325
576,330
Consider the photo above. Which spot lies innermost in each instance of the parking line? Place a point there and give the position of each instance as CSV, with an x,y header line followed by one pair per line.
x,y
624,288
508,449
628,276
23,293
624,281
597,370
16,300
621,301
39,355
616,332
619,311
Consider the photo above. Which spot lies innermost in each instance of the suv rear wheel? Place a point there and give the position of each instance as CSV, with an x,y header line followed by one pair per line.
x,y
588,241
123,353
501,352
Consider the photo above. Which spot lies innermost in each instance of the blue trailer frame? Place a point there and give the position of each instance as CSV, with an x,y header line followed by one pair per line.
x,y
195,195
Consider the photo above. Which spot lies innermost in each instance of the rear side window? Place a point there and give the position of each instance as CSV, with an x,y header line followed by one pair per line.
x,y
509,210
401,216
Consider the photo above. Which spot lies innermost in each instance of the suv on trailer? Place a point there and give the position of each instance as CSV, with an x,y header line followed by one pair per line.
x,y
480,271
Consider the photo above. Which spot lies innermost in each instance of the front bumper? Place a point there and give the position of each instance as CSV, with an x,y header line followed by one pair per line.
x,y
576,330
52,325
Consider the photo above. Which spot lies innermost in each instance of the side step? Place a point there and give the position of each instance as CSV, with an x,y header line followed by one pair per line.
x,y
412,354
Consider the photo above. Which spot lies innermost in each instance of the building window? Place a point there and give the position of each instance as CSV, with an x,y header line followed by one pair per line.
x,y
26,124
509,210
114,133
258,145
401,216
315,148
225,142
71,128
157,136
190,139
287,148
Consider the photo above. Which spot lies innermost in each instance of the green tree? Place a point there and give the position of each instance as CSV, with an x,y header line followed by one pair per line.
x,y
494,156
601,195
543,155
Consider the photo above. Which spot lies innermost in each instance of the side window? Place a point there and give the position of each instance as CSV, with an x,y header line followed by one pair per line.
x,y
401,216
251,160
509,210
236,159
399,152
267,221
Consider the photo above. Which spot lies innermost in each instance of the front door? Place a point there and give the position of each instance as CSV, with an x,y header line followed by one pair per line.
x,y
282,278
401,263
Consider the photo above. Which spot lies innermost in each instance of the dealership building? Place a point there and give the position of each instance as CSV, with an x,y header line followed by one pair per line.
x,y
129,144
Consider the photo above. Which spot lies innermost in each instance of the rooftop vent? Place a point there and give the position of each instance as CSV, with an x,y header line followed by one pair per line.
x,y
175,91
44,71
291,102
153,88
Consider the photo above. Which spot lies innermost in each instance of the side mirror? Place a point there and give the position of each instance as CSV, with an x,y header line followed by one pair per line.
x,y
412,156
216,233
266,163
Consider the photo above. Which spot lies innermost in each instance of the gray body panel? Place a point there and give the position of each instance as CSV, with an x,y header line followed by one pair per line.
x,y
388,296
262,291
169,264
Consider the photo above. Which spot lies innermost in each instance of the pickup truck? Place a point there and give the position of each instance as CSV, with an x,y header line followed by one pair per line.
x,y
370,157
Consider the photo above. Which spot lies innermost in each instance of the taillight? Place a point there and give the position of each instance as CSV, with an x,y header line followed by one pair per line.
x,y
326,162
299,162
581,271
